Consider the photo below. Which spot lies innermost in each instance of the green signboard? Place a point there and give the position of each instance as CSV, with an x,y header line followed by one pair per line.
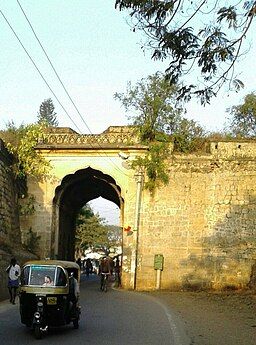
x,y
159,262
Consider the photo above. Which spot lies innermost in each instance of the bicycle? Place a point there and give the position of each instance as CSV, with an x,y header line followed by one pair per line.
x,y
104,282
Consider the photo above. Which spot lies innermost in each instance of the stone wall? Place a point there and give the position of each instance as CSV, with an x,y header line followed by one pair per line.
x,y
10,236
203,222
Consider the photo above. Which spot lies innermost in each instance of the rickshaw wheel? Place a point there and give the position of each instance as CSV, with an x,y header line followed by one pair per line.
x,y
76,324
38,333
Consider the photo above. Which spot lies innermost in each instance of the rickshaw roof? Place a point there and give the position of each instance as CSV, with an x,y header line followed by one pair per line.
x,y
62,263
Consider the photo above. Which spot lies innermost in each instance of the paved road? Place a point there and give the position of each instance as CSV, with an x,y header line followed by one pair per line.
x,y
112,318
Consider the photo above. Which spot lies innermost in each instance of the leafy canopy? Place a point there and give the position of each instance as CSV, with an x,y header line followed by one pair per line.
x,y
21,142
93,233
200,39
151,105
243,117
153,110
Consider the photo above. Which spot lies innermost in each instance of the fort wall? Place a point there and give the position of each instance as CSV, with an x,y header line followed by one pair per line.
x,y
203,221
10,234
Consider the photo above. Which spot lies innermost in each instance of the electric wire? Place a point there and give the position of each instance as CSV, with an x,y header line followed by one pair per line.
x,y
54,69
38,70
65,89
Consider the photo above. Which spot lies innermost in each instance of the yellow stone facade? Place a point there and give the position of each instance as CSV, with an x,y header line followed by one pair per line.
x,y
203,222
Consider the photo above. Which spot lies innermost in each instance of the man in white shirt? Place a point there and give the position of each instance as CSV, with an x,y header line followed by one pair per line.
x,y
13,271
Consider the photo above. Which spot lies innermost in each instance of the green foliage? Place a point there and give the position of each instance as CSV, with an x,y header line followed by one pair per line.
x,y
32,241
243,118
114,236
27,205
92,232
152,102
21,142
199,36
47,114
158,119
154,164
189,137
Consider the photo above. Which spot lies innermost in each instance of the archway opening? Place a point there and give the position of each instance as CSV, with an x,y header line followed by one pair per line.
x,y
75,191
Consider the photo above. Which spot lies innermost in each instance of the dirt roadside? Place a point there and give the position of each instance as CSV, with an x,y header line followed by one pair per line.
x,y
211,318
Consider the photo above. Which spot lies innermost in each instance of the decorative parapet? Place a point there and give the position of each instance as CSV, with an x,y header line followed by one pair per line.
x,y
112,136
120,136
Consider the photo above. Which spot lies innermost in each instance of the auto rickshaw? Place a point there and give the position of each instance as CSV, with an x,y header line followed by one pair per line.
x,y
48,294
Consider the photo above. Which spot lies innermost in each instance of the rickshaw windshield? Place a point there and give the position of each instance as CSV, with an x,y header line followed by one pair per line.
x,y
41,275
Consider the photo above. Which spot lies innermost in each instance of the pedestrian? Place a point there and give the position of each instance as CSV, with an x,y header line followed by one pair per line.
x,y
117,272
13,271
88,267
79,262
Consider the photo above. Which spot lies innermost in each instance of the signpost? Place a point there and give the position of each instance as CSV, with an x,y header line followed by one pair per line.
x,y
158,266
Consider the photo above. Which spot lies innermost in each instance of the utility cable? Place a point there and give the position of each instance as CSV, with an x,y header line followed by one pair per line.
x,y
65,89
38,70
50,62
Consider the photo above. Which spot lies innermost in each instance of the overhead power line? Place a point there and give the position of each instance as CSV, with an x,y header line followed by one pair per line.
x,y
65,89
54,94
54,69
38,70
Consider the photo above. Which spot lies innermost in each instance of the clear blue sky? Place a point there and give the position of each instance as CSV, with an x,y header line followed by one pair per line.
x,y
95,53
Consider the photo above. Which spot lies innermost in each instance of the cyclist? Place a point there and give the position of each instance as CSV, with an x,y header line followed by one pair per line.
x,y
104,268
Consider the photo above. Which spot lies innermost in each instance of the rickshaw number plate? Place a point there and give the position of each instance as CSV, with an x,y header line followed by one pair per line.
x,y
51,300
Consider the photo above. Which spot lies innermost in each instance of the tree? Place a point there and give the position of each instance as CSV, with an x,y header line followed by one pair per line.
x,y
21,142
243,117
47,114
159,121
93,233
189,136
200,38
152,103
114,235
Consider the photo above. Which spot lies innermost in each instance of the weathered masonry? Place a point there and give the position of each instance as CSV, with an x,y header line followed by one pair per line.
x,y
203,222
10,236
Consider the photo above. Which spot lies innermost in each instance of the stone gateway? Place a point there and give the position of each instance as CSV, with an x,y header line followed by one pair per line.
x,y
203,222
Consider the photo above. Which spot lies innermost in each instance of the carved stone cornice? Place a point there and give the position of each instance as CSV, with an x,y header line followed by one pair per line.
x,y
112,136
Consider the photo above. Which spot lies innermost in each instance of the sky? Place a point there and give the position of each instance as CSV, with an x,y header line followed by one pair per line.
x,y
95,53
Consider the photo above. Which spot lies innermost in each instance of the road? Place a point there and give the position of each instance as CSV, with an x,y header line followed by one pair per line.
x,y
113,318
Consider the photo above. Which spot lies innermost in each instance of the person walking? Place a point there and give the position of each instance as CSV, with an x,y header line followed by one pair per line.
x,y
88,267
117,272
13,271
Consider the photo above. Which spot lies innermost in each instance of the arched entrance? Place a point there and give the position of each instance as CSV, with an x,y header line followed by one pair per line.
x,y
73,193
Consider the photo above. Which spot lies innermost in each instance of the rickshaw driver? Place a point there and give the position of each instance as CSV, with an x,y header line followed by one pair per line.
x,y
73,292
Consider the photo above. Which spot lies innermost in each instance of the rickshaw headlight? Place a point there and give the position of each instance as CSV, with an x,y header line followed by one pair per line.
x,y
37,315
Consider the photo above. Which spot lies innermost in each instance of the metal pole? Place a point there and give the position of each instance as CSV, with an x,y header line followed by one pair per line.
x,y
137,222
158,279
